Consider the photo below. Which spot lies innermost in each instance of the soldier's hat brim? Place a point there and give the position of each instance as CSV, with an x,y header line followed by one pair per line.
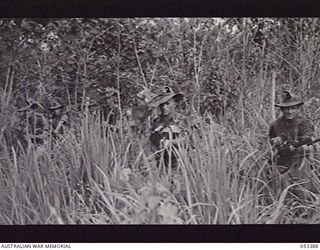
x,y
289,104
56,107
24,109
163,98
290,101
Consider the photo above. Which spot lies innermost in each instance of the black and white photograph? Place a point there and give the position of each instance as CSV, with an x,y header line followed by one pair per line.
x,y
159,120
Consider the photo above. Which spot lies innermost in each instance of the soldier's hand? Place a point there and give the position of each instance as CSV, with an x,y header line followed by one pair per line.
x,y
276,141
159,128
292,148
164,143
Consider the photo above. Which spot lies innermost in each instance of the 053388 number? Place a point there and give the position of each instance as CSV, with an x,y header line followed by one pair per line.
x,y
309,246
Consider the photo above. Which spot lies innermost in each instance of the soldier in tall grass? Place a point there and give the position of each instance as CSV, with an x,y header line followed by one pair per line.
x,y
168,129
286,133
58,117
35,124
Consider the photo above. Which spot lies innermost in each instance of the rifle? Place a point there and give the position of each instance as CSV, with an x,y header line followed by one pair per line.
x,y
314,141
307,142
285,151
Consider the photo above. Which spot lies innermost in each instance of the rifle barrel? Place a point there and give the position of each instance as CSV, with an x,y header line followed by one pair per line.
x,y
302,143
307,142
314,141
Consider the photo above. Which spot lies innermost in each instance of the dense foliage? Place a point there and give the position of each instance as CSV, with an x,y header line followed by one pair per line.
x,y
230,70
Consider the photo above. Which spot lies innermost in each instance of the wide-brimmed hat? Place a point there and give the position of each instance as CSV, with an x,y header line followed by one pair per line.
x,y
56,105
166,96
289,100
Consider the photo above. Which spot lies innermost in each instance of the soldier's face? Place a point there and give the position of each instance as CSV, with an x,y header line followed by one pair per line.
x,y
168,107
56,111
290,112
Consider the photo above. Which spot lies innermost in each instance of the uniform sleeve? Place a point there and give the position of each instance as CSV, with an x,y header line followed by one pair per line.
x,y
272,132
306,130
154,124
155,136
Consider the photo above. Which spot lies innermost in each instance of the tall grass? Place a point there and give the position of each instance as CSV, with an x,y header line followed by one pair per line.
x,y
90,175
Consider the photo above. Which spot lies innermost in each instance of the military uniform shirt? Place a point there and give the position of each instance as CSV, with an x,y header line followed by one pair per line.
x,y
297,130
165,128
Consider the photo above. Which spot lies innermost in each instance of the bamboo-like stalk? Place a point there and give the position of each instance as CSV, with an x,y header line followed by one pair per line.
x,y
273,96
118,84
138,61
